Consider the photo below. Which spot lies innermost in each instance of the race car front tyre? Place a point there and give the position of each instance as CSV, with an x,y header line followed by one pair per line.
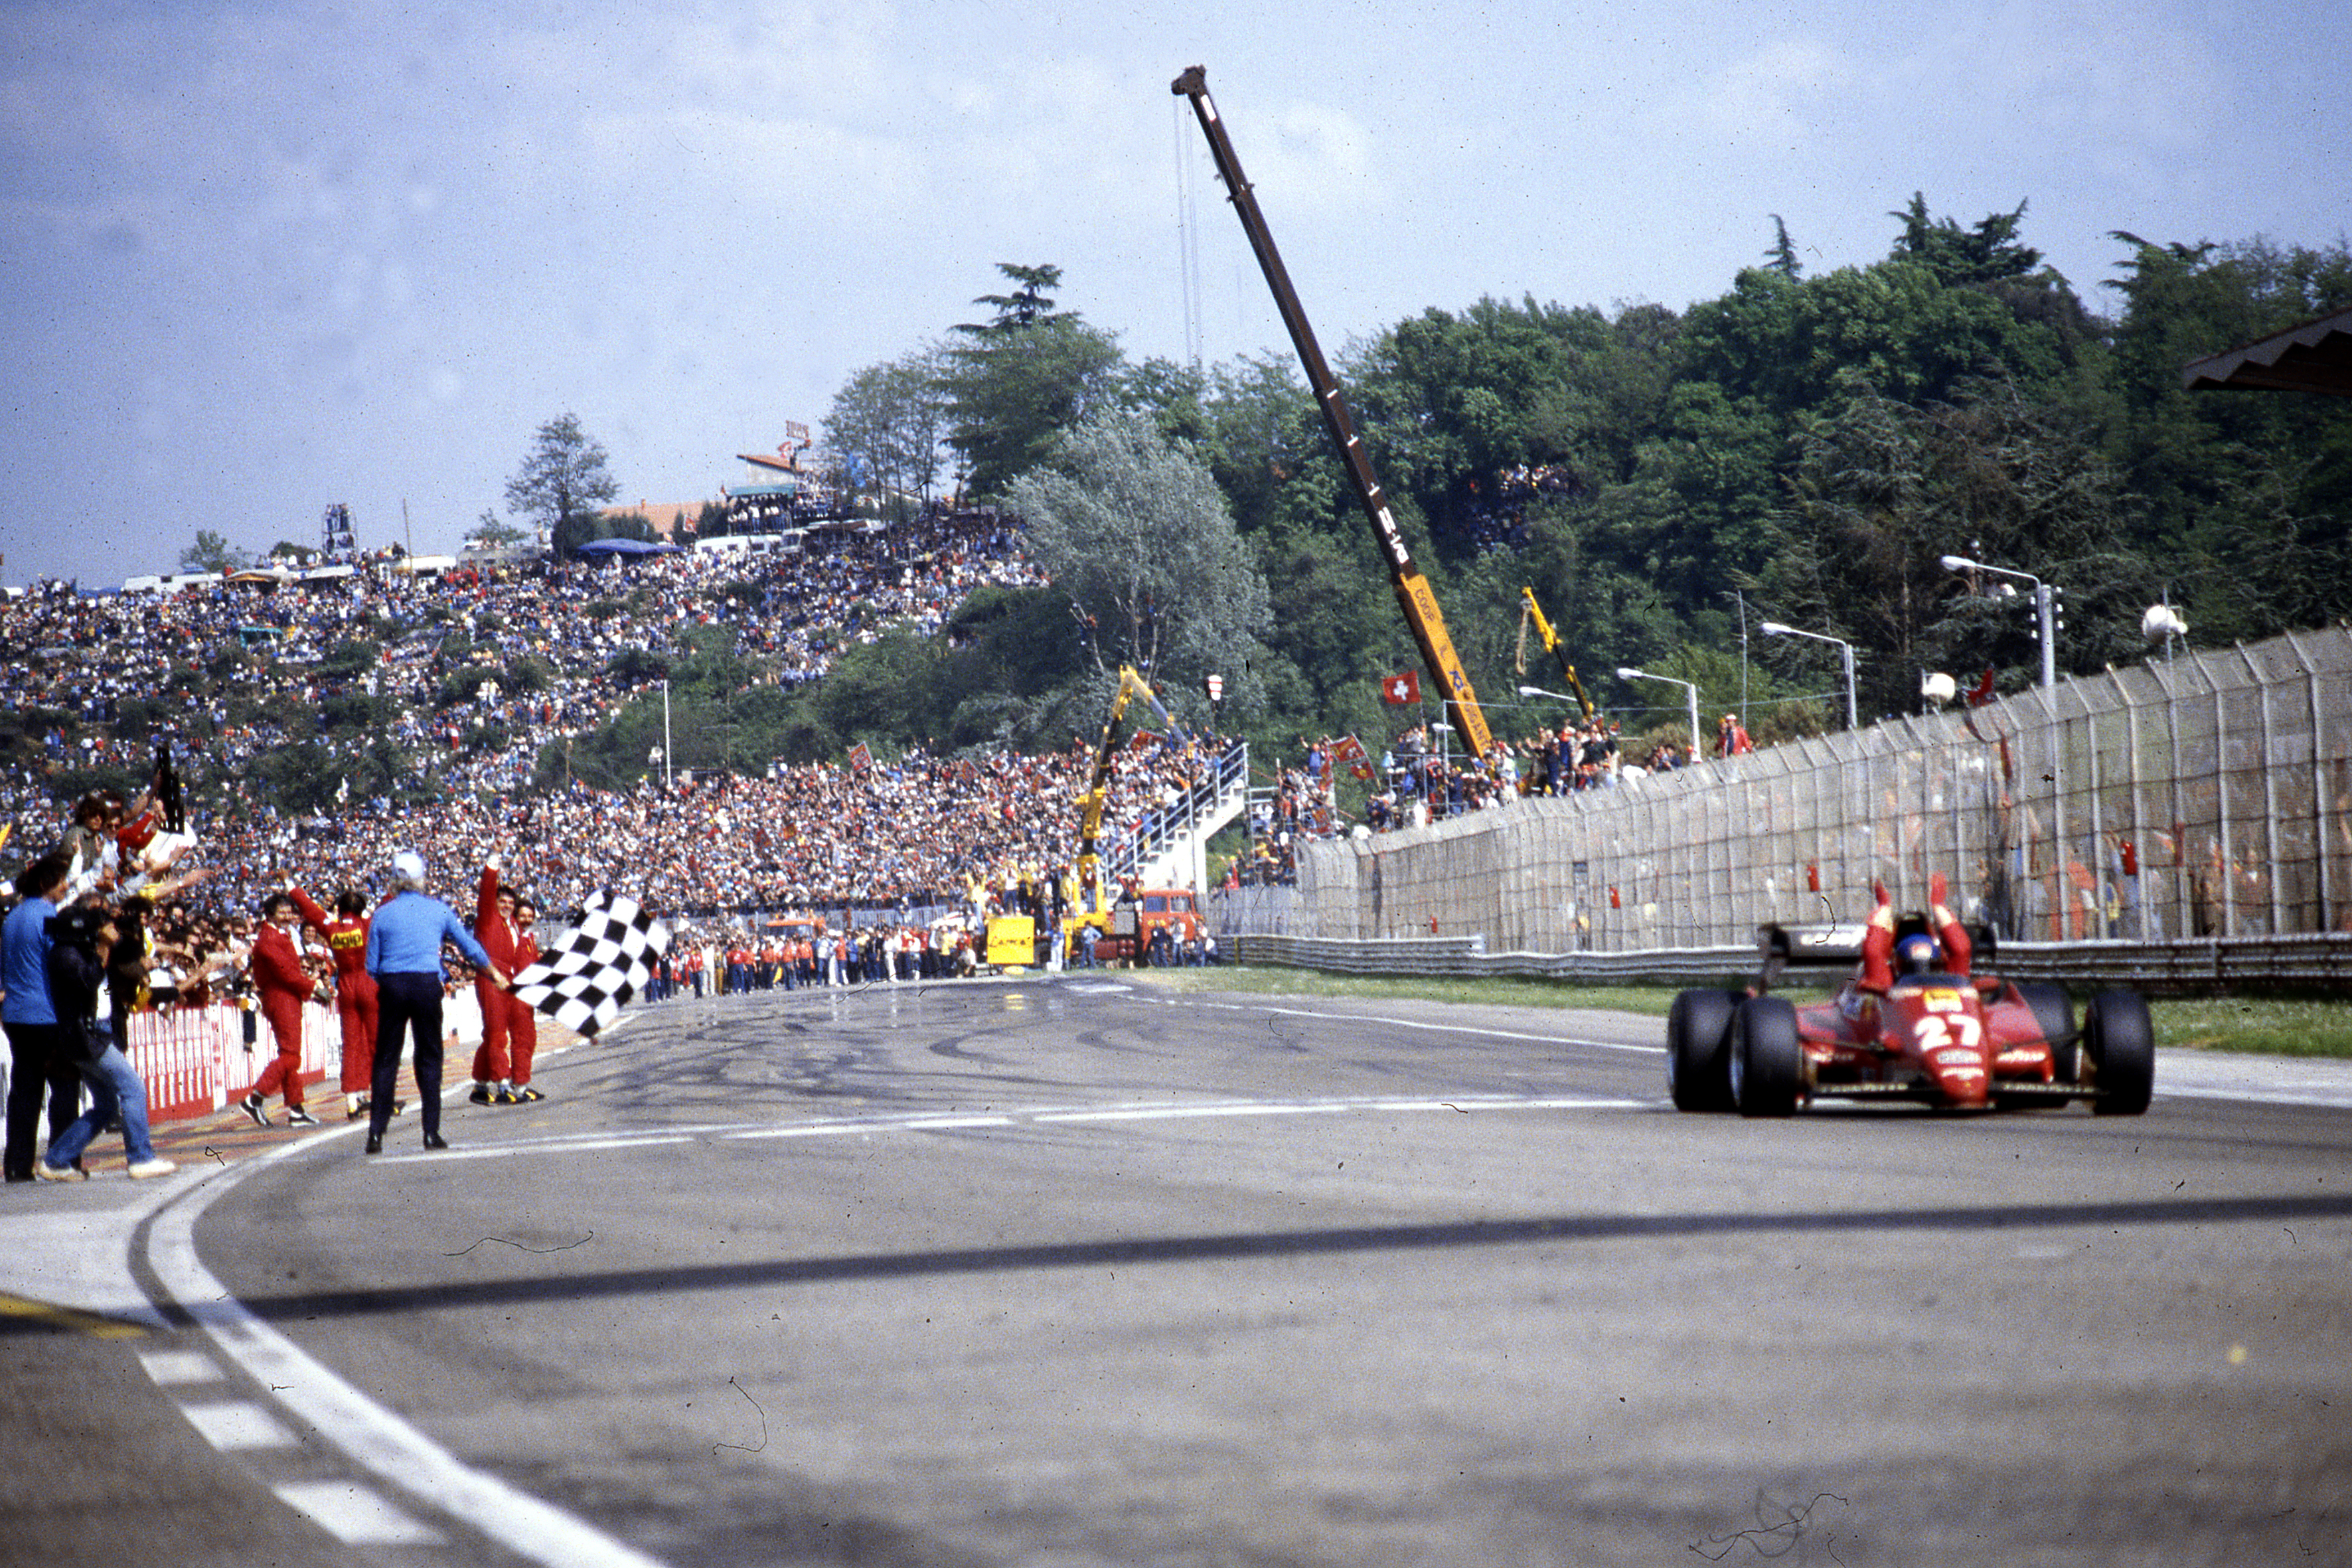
x,y
2055,1014
1768,1061
2121,1043
1698,1049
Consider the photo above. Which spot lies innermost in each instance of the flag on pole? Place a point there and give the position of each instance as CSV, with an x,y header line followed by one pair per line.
x,y
1402,690
607,958
861,760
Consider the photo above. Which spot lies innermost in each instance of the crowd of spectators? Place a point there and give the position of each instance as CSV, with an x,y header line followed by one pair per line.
x,y
1413,784
1496,515
231,671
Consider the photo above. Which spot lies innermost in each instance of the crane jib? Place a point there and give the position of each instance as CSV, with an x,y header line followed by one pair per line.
x,y
1413,593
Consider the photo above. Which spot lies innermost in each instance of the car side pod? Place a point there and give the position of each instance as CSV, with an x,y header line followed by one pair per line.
x,y
1768,1059
1698,1048
2119,1041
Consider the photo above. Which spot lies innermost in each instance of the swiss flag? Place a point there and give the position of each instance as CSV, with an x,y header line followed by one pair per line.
x,y
1401,689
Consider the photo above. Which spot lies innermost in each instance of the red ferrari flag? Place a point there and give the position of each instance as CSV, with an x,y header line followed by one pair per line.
x,y
1401,689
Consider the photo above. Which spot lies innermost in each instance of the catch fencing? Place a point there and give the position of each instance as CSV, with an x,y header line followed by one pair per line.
x,y
2176,801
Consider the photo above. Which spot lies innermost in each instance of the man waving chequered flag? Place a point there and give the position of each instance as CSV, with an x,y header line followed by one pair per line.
x,y
607,958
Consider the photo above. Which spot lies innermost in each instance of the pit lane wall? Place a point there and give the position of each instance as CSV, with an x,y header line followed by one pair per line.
x,y
2189,802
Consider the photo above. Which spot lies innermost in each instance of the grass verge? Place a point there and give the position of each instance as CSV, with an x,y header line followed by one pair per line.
x,y
2284,1026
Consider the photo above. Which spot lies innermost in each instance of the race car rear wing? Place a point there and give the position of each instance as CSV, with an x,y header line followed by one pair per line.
x,y
1824,952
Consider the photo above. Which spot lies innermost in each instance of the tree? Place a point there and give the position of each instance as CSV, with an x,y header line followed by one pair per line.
x,y
887,425
1987,250
1020,379
561,483
1139,541
495,532
210,552
1883,491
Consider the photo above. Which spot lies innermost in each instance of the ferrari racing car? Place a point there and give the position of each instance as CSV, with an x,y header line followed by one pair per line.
x,y
1914,1022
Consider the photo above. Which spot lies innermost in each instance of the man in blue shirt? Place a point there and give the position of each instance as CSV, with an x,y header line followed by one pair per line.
x,y
403,954
36,1040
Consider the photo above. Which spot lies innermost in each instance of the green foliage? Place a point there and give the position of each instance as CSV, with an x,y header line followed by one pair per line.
x,y
1137,537
637,667
888,424
302,777
1816,443
210,552
350,659
491,530
562,480
1015,381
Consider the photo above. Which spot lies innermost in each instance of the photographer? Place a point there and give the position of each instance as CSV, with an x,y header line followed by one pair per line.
x,y
82,938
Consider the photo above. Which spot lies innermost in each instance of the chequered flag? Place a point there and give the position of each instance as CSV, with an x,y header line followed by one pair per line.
x,y
606,960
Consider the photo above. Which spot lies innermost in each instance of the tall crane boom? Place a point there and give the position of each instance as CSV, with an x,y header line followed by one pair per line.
x,y
1412,590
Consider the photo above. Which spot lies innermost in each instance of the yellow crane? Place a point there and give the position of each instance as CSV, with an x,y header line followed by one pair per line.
x,y
1414,593
1534,612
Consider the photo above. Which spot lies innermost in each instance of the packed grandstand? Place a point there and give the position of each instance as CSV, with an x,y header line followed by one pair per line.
x,y
904,833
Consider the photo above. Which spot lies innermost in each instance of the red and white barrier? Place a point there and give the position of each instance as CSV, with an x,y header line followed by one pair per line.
x,y
196,1060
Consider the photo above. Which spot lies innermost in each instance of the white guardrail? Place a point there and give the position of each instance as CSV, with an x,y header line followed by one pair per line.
x,y
2300,962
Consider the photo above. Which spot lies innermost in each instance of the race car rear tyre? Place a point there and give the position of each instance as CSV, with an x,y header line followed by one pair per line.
x,y
1698,1049
2055,1012
1768,1061
2121,1043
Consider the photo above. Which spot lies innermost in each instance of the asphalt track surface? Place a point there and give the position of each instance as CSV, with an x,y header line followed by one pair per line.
x,y
1079,1272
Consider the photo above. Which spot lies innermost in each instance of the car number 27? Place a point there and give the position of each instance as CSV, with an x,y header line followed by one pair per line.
x,y
1947,1022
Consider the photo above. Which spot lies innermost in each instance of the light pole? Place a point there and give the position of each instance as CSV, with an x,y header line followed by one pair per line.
x,y
1539,692
1845,651
668,752
1690,690
2042,595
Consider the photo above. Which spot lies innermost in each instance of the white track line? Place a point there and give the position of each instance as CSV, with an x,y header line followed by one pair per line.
x,y
1426,1026
356,1515
372,1439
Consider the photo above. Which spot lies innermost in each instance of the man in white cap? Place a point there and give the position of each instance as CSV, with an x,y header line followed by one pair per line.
x,y
403,954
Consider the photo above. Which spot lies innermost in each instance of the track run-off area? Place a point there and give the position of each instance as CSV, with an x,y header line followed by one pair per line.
x,y
1073,1271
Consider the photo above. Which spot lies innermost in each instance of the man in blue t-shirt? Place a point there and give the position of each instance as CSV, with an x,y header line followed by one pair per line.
x,y
35,1041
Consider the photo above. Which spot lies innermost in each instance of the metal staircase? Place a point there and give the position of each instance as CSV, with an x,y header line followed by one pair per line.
x,y
1169,848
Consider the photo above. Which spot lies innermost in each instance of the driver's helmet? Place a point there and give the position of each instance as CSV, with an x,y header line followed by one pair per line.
x,y
1918,955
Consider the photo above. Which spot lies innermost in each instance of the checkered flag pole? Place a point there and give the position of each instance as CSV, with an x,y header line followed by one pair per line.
x,y
607,958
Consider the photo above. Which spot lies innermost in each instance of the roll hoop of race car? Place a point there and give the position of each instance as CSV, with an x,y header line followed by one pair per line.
x,y
1915,1022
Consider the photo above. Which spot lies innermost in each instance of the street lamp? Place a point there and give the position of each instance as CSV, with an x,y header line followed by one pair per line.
x,y
669,752
1689,688
1846,652
2042,596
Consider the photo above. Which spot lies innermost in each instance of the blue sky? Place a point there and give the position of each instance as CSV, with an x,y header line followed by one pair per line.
x,y
258,258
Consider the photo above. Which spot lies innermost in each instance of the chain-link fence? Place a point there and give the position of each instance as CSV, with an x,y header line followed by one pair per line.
x,y
2210,795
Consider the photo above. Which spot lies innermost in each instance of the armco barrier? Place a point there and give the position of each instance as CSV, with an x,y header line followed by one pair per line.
x,y
2312,963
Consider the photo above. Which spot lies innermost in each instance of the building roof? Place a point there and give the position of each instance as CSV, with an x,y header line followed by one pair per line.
x,y
2313,357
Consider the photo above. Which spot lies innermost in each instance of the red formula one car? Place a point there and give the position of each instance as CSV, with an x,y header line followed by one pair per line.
x,y
1915,1023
